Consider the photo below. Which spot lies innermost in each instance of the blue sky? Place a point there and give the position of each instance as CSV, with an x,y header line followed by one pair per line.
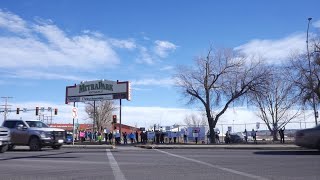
x,y
48,45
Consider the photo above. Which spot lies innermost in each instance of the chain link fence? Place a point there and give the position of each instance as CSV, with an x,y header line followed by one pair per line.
x,y
262,131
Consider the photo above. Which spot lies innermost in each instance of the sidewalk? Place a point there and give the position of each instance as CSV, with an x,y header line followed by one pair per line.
x,y
222,146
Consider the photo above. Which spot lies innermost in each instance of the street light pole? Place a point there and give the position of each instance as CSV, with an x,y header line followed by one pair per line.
x,y
310,78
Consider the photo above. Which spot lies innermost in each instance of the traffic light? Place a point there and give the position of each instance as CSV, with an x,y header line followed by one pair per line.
x,y
56,111
37,111
18,110
114,119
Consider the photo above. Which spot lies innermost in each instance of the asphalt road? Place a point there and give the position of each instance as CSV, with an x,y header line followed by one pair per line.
x,y
126,163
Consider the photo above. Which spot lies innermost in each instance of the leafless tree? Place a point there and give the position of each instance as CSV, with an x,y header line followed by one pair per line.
x,y
277,103
193,120
104,111
305,74
219,79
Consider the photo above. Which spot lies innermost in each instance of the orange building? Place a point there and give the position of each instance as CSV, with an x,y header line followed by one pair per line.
x,y
68,127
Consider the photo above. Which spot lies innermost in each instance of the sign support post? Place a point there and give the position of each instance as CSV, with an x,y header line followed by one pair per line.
x,y
120,126
74,105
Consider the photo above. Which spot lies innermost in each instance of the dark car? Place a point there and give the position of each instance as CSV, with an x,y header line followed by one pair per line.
x,y
308,138
234,138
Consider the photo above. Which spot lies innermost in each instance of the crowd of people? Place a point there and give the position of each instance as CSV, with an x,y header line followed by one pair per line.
x,y
160,137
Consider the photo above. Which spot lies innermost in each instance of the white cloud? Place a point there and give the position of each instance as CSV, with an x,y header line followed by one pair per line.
x,y
162,48
275,50
166,68
12,22
316,24
151,82
42,75
125,44
145,56
45,45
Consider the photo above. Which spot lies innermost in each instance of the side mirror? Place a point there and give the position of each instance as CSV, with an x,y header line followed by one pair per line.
x,y
21,127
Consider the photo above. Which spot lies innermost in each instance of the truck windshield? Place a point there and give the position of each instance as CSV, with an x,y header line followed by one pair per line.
x,y
37,124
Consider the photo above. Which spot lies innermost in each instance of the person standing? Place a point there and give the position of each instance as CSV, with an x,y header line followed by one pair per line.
x,y
245,135
125,141
137,137
110,136
162,138
254,136
175,137
208,137
131,136
281,132
217,136
196,135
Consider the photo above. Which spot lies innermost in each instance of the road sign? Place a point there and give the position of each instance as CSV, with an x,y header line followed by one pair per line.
x,y
74,112
49,108
42,109
24,109
258,125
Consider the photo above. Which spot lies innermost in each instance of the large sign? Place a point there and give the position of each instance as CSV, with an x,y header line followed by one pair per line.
x,y
97,91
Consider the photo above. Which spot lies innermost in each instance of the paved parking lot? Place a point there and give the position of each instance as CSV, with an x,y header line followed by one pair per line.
x,y
139,164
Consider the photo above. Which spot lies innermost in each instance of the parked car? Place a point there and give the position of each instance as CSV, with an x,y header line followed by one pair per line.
x,y
34,134
4,139
234,138
68,138
308,138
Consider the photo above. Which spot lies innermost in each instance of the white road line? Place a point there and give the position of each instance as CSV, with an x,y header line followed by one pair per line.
x,y
118,175
215,166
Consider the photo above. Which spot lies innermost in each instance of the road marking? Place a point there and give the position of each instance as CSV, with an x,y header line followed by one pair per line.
x,y
118,175
215,166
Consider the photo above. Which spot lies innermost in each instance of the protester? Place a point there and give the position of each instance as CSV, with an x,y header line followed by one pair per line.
x,y
137,137
281,132
131,136
245,135
254,136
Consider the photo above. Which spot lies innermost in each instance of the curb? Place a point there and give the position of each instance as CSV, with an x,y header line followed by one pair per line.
x,y
223,147
89,146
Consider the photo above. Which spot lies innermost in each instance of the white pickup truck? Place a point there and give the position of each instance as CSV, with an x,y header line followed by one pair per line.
x,y
4,139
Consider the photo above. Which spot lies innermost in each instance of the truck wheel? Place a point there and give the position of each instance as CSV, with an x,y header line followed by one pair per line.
x,y
3,148
11,147
34,144
56,147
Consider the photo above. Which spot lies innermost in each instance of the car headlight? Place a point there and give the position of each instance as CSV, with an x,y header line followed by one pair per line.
x,y
44,134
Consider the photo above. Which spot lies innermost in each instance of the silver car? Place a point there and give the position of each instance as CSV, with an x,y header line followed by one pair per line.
x,y
308,138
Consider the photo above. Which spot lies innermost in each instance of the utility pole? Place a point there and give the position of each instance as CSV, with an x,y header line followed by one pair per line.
x,y
310,78
6,105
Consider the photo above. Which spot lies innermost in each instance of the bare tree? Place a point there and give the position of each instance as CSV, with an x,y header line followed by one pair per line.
x,y
277,103
193,120
305,74
221,77
104,111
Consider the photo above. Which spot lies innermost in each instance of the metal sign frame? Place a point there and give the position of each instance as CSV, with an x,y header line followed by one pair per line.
x,y
97,91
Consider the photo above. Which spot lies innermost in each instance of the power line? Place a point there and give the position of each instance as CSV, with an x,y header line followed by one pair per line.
x,y
6,105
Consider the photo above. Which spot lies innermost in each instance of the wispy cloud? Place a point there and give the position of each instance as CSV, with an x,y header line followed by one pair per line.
x,y
274,50
162,48
144,56
13,23
126,44
42,75
166,68
152,82
316,24
43,44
